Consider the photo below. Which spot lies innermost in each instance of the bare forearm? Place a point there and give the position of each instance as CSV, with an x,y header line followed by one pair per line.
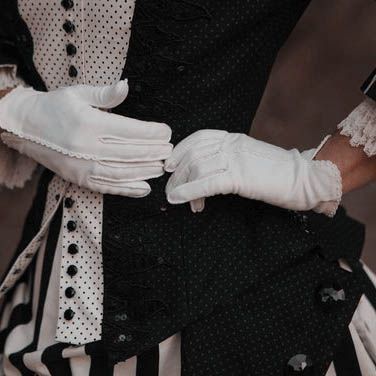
x,y
357,169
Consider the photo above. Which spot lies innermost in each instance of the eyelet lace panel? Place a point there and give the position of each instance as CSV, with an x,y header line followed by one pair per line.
x,y
152,61
360,126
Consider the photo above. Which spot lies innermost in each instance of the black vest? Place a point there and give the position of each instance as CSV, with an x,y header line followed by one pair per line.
x,y
241,280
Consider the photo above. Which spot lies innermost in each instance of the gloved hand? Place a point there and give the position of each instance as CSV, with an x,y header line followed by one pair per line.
x,y
212,162
66,131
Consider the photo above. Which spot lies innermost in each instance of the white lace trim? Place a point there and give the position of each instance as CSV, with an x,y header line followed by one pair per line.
x,y
330,208
360,126
15,168
50,145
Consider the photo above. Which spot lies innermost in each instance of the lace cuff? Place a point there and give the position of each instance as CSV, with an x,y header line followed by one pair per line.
x,y
360,126
8,77
15,169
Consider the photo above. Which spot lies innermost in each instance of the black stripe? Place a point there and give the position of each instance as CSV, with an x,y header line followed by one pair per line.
x,y
369,289
148,362
346,361
52,358
17,358
99,364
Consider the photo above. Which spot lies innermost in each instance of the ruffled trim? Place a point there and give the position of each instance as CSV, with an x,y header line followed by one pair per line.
x,y
330,208
360,126
8,77
15,168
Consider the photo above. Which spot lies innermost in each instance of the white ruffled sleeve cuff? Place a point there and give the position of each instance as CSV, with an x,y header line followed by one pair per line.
x,y
15,168
360,126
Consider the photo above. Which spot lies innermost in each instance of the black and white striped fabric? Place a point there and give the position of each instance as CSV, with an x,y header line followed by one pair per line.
x,y
28,327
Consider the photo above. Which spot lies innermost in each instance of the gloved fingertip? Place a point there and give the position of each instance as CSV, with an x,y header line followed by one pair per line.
x,y
121,89
170,165
197,206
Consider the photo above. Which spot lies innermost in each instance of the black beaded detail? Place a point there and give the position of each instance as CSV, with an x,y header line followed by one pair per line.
x,y
70,292
69,314
71,226
73,249
72,270
69,27
72,71
71,49
68,202
67,4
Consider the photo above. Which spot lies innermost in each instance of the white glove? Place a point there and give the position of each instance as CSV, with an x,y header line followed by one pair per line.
x,y
66,131
212,162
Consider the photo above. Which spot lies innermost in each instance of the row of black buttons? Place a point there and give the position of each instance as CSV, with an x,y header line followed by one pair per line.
x,y
70,28
72,270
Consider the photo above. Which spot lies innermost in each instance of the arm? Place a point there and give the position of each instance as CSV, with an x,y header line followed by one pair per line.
x,y
213,162
357,169
353,147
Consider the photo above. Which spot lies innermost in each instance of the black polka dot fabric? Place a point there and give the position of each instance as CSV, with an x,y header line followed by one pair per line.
x,y
82,249
240,279
100,39
85,42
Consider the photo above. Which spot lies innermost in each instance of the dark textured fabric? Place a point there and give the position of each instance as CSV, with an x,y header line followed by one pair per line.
x,y
16,45
240,278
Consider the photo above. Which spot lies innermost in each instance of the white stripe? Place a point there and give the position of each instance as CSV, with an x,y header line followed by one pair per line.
x,y
23,335
367,367
331,371
128,368
170,356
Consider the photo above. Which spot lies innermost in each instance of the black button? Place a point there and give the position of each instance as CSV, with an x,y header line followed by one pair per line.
x,y
67,4
72,71
71,225
68,314
125,338
57,197
70,292
22,38
71,49
69,27
68,202
72,270
121,317
330,295
73,249
300,364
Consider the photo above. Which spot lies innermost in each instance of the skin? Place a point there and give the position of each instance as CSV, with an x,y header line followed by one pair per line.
x,y
356,168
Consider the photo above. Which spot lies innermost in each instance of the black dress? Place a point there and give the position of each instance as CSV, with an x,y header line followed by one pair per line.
x,y
244,280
